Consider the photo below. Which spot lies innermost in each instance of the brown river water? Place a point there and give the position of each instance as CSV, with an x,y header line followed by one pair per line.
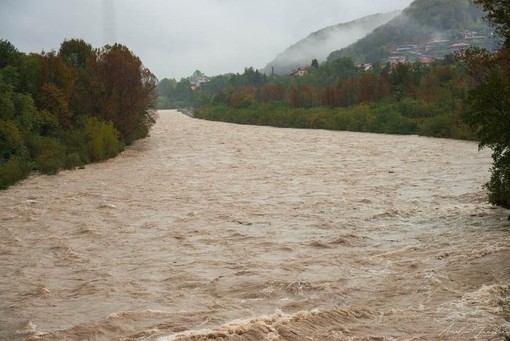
x,y
209,230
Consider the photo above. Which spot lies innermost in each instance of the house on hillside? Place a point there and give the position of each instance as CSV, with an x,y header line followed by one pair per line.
x,y
436,44
394,60
426,60
406,48
468,34
364,67
459,47
301,71
198,83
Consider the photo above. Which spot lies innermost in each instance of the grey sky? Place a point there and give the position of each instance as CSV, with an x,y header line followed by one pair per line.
x,y
176,37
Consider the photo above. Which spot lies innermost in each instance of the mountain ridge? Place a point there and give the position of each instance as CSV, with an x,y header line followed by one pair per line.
x,y
319,44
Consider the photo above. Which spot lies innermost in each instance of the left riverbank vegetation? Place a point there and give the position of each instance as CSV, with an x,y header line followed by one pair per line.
x,y
63,109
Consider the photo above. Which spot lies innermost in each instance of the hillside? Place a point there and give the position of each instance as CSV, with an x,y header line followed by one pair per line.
x,y
318,45
430,28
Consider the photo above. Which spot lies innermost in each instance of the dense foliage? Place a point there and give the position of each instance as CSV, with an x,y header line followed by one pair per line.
x,y
68,108
489,101
399,99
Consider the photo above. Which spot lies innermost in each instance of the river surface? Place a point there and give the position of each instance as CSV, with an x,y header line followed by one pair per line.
x,y
209,230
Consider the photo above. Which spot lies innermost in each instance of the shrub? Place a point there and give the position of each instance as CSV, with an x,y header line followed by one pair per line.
x,y
102,139
49,154
12,171
11,140
437,126
73,160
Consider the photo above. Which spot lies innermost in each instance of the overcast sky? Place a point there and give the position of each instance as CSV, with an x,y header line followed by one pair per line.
x,y
176,37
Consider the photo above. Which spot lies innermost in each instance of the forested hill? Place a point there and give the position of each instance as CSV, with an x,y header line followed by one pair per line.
x,y
426,28
318,45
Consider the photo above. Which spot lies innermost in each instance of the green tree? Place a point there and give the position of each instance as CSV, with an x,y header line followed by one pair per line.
x,y
8,54
166,87
489,101
498,13
11,140
75,53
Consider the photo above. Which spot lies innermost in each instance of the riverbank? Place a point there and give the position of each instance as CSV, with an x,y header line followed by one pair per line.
x,y
408,117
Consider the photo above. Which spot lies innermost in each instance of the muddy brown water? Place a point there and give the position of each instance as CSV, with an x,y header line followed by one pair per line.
x,y
210,230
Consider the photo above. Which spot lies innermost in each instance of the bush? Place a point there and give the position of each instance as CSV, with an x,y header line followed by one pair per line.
x,y
102,139
499,183
48,153
437,126
389,121
11,140
76,144
73,160
12,171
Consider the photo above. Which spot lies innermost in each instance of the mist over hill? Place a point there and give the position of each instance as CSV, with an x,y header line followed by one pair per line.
x,y
428,28
318,45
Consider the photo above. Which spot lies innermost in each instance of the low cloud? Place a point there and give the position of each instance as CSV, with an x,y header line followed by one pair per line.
x,y
174,38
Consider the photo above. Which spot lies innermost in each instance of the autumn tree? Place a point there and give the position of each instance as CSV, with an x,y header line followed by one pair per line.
x,y
53,99
273,92
9,54
329,96
128,91
242,97
302,96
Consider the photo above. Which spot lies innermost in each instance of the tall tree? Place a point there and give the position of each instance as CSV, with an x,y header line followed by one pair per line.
x,y
8,53
128,91
489,99
498,13
75,52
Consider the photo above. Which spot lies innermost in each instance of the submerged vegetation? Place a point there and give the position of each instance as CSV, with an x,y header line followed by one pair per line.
x,y
61,110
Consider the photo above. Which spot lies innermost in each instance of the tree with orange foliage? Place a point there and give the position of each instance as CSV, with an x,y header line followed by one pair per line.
x,y
127,91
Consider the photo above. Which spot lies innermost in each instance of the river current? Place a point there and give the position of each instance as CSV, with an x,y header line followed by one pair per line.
x,y
208,230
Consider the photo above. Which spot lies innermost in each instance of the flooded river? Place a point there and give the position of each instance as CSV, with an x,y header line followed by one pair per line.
x,y
209,230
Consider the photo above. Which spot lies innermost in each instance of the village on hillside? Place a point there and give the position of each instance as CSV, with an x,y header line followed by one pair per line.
x,y
425,53
428,52
438,48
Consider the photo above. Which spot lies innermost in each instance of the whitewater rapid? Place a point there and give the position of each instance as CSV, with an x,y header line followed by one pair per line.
x,y
209,230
